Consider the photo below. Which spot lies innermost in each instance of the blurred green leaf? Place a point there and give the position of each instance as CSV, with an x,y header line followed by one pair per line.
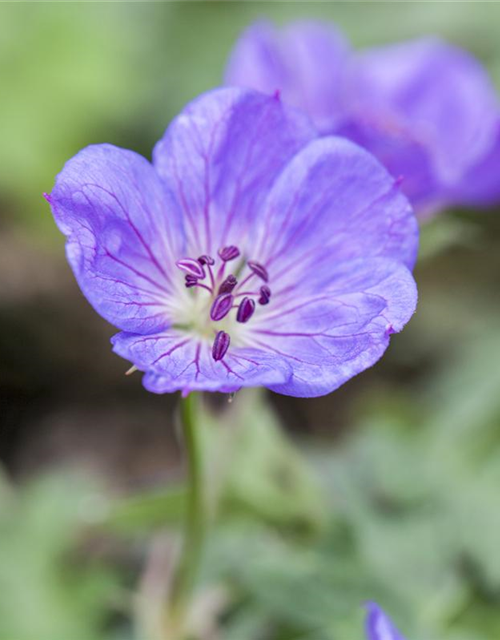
x,y
143,513
48,593
265,476
446,231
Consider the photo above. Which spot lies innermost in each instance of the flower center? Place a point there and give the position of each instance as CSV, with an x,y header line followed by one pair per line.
x,y
224,294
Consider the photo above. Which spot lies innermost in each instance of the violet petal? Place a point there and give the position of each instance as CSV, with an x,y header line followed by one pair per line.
x,y
378,625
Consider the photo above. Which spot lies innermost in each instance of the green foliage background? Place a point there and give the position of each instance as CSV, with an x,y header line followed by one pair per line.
x,y
402,506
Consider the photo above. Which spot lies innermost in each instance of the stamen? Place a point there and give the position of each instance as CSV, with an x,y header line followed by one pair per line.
x,y
221,306
228,285
245,310
191,281
228,253
209,262
192,267
206,260
259,270
220,346
226,292
265,295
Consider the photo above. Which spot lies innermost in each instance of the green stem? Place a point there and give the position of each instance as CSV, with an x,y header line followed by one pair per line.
x,y
195,515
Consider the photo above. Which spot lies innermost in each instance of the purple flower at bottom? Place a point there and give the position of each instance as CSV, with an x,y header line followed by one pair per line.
x,y
249,253
378,625
425,108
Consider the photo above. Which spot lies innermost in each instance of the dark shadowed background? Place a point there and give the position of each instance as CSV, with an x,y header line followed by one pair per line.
x,y
388,488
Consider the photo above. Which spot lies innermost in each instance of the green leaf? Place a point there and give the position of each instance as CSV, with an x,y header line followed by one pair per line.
x,y
140,514
48,593
266,477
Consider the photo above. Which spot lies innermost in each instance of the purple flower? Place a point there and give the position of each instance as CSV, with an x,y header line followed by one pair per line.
x,y
378,625
425,108
249,253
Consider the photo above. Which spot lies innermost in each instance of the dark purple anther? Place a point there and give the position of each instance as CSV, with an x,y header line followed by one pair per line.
x,y
259,270
206,260
265,295
245,310
228,285
191,267
221,306
221,345
228,253
191,281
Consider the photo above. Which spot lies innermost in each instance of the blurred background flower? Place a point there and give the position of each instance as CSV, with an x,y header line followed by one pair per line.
x,y
424,107
398,500
378,625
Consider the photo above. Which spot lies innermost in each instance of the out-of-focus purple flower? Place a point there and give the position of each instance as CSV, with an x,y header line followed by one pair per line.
x,y
378,625
425,108
249,253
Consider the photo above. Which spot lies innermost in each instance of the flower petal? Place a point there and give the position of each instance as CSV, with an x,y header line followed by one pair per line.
x,y
333,202
123,231
330,336
305,61
174,361
481,184
220,157
378,625
437,93
405,157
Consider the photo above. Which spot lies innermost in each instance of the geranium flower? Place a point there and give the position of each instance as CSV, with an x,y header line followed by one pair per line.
x,y
425,108
378,624
249,253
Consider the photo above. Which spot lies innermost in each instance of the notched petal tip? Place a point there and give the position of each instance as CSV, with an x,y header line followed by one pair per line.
x,y
390,330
